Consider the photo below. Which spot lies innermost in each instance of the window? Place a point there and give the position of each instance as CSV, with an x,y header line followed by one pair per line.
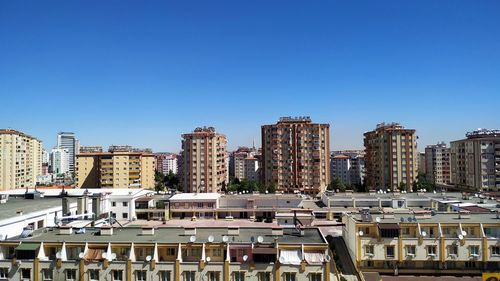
x,y
4,273
117,275
495,250
113,204
93,274
217,252
125,215
431,250
70,274
189,275
164,275
389,252
170,251
264,276
453,250
473,250
289,276
239,276
25,274
125,204
410,250
315,276
213,275
140,275
369,250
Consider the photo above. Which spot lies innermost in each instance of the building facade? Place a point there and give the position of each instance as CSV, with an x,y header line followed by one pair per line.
x,y
20,159
60,160
296,155
120,167
348,166
166,163
391,157
68,141
204,154
437,163
475,161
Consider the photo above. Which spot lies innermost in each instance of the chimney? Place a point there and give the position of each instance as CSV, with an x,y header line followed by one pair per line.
x,y
106,230
189,231
65,229
233,230
148,231
277,231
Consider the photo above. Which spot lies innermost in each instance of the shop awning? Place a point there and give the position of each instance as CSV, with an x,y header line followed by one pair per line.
x,y
28,247
292,257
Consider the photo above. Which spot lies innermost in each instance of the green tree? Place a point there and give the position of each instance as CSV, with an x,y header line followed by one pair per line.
x,y
336,184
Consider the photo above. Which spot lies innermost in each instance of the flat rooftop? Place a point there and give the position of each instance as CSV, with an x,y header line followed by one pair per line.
x,y
14,204
175,235
438,218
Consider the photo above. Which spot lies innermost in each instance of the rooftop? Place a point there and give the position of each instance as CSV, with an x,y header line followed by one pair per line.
x,y
437,218
9,209
195,196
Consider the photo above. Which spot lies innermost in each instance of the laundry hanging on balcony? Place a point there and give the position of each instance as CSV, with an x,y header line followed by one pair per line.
x,y
314,258
292,257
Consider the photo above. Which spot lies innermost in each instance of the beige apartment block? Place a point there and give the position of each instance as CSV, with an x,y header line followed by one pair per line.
x,y
204,154
391,157
20,159
437,163
296,155
475,161
120,167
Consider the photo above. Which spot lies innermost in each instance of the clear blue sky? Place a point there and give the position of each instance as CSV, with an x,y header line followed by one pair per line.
x,y
143,72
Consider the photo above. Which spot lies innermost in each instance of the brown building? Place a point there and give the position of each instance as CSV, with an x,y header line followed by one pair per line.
x,y
204,158
391,157
120,167
296,155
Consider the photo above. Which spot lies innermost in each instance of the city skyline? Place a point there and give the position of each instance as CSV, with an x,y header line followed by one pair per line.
x,y
145,74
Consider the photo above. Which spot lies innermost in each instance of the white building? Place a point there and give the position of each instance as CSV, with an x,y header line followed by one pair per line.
x,y
68,141
348,166
60,159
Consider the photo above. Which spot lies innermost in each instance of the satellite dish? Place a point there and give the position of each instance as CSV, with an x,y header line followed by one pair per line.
x,y
424,233
245,258
464,233
81,255
460,237
104,255
148,258
208,259
58,255
360,233
402,219
252,239
192,239
377,219
211,238
260,239
328,258
282,259
113,256
409,219
225,238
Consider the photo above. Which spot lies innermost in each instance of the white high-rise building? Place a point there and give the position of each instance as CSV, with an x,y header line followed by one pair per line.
x,y
60,160
348,166
67,140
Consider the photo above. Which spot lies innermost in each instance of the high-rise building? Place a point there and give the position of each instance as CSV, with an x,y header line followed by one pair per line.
x,y
421,163
437,163
238,160
296,155
120,167
60,160
204,157
348,166
391,157
475,161
67,140
20,159
166,163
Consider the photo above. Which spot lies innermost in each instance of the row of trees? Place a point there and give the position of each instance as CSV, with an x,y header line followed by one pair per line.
x,y
168,181
248,186
421,183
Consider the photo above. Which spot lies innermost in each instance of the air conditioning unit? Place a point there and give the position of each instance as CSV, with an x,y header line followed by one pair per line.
x,y
474,256
431,255
410,255
370,255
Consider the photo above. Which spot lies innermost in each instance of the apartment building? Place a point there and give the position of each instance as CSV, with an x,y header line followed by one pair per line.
x,y
424,242
60,160
169,253
68,141
20,159
437,163
166,163
244,164
348,166
204,154
475,161
120,167
391,157
296,155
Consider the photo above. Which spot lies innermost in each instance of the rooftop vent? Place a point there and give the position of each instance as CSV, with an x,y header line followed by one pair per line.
x,y
65,229
189,231
148,230
233,230
277,231
106,230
